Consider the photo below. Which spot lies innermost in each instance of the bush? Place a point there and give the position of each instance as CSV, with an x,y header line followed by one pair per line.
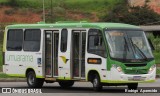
x,y
156,43
140,15
13,3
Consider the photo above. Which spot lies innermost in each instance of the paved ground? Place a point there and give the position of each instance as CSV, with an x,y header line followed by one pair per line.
x,y
82,89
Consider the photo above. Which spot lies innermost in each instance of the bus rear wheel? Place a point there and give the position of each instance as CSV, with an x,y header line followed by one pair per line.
x,y
34,82
133,86
96,83
66,84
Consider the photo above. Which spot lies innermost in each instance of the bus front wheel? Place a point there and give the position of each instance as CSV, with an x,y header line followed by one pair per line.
x,y
133,86
96,83
34,82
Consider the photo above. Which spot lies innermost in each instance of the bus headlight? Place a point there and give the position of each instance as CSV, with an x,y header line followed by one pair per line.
x,y
119,69
152,68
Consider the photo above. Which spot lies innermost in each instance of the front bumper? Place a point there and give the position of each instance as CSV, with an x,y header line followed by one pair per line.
x,y
120,77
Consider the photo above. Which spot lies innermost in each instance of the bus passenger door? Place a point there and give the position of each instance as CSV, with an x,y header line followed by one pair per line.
x,y
51,53
78,53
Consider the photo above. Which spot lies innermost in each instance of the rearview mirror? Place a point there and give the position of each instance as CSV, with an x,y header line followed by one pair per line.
x,y
98,41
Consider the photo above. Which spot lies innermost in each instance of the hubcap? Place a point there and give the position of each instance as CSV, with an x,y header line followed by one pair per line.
x,y
95,81
31,79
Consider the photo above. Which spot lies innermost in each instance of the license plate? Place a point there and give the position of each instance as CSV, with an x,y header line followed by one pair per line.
x,y
137,78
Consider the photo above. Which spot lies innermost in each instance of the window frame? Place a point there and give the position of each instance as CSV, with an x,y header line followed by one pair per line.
x,y
39,41
103,40
7,39
66,39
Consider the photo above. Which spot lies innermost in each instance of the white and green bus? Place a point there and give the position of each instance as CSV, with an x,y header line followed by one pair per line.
x,y
105,54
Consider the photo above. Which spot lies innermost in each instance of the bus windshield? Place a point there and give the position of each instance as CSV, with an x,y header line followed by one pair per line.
x,y
128,45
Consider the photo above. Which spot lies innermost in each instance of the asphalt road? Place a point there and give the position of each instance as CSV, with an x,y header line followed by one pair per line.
x,y
84,89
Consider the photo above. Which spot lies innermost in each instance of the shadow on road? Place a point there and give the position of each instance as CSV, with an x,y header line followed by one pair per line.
x,y
80,90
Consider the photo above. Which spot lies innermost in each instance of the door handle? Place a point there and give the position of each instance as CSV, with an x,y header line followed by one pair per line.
x,y
6,64
20,65
60,67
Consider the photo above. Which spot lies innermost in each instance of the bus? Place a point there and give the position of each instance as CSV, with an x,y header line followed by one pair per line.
x,y
105,54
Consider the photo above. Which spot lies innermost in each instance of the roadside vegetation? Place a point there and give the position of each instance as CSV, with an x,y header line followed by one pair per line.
x,y
1,40
59,10
156,43
2,75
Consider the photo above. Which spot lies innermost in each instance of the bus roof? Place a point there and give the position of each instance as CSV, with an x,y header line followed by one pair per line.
x,y
74,25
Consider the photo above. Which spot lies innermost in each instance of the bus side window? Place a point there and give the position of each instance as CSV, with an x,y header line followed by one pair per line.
x,y
32,39
96,43
14,40
64,35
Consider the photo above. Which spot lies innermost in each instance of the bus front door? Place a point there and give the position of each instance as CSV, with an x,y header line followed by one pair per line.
x,y
78,53
51,53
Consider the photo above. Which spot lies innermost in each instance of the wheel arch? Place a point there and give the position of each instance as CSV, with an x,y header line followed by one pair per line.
x,y
28,70
91,73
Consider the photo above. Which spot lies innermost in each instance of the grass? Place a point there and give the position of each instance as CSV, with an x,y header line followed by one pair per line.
x,y
2,75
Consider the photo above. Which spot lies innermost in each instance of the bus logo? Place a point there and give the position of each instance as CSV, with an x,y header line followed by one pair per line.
x,y
64,59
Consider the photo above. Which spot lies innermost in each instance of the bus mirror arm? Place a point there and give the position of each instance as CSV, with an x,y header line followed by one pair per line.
x,y
151,44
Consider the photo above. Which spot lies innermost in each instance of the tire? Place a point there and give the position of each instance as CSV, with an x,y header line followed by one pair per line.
x,y
66,84
133,86
34,82
97,86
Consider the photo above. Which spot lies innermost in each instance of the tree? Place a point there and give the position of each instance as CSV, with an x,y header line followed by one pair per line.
x,y
132,15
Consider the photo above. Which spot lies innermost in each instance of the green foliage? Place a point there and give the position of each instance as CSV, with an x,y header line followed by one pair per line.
x,y
132,15
156,56
2,75
13,3
156,43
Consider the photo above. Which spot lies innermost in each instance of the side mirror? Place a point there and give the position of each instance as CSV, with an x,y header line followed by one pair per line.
x,y
151,44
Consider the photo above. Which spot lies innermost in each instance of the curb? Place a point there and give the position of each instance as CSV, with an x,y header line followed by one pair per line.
x,y
12,79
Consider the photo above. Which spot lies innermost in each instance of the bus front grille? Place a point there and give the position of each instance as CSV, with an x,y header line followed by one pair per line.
x,y
135,65
141,71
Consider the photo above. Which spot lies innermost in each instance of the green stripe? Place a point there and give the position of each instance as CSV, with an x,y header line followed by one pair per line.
x,y
23,75
125,81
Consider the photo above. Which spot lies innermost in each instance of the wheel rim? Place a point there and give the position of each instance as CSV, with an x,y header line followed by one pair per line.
x,y
31,79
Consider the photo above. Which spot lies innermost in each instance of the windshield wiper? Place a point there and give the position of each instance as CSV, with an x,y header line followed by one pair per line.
x,y
126,44
135,46
125,49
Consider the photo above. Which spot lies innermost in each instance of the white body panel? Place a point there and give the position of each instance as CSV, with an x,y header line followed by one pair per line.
x,y
17,62
100,68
